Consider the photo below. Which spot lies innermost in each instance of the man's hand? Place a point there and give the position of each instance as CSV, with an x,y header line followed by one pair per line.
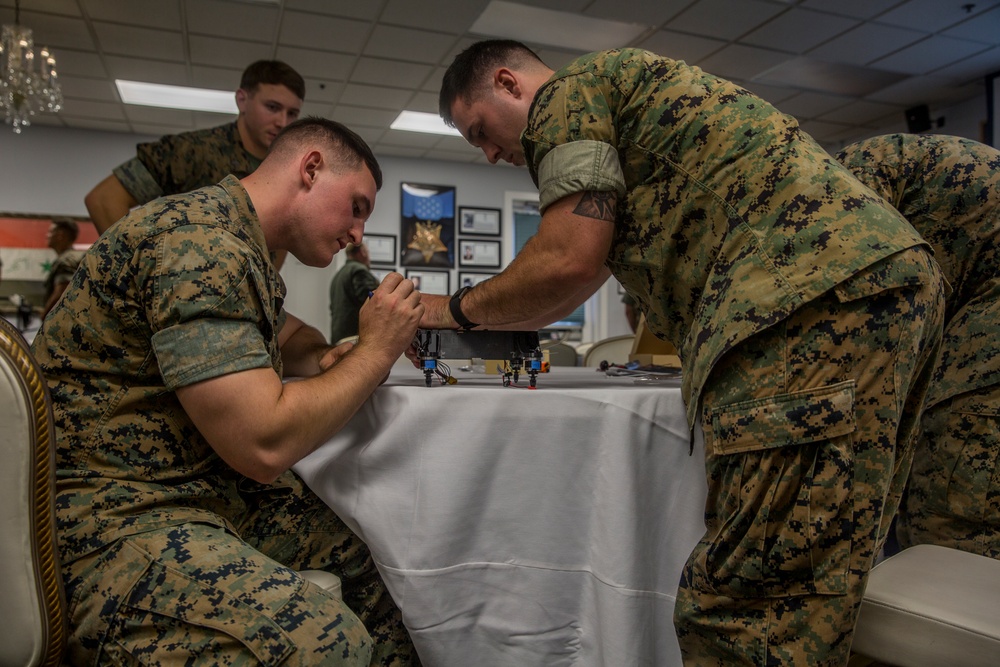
x,y
389,319
334,354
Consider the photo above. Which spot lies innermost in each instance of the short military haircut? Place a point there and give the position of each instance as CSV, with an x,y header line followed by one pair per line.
x,y
67,225
275,73
471,71
349,149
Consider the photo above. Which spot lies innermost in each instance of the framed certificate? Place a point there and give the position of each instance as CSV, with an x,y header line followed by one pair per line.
x,y
471,279
474,220
381,248
431,282
479,252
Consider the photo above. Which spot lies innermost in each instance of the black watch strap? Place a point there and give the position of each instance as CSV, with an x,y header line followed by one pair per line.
x,y
455,306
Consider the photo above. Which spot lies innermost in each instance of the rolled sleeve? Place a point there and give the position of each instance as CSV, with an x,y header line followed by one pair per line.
x,y
205,348
579,166
138,181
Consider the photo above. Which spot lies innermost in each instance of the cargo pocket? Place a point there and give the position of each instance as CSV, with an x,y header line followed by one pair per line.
x,y
170,606
783,469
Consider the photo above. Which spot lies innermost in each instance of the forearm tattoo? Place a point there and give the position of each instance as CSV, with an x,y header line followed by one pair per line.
x,y
600,205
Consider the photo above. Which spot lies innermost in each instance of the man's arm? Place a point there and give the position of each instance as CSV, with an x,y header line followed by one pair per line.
x,y
558,268
108,202
261,426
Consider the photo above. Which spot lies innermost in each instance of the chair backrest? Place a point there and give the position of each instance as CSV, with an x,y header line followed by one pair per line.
x,y
31,606
561,354
614,350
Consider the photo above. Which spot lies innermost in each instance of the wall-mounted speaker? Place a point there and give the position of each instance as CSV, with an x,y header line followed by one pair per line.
x,y
918,119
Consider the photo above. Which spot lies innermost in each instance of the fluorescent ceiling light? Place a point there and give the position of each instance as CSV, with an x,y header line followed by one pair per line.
x,y
419,121
549,27
176,97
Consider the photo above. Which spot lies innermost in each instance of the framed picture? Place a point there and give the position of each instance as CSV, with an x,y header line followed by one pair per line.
x,y
431,282
471,279
474,220
381,248
479,252
427,225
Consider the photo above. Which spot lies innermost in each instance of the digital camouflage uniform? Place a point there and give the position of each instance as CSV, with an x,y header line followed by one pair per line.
x,y
169,555
949,190
349,290
806,313
183,162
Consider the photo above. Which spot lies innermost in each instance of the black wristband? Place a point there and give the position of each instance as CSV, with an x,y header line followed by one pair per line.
x,y
456,309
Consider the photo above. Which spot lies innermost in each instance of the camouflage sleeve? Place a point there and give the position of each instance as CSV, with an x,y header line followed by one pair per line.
x,y
581,166
137,181
208,315
570,142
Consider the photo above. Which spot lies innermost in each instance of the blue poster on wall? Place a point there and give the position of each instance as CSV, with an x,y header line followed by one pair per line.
x,y
427,225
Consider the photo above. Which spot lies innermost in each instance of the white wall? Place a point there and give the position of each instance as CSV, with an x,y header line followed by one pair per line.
x,y
49,170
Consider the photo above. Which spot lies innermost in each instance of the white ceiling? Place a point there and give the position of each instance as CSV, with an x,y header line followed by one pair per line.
x,y
845,68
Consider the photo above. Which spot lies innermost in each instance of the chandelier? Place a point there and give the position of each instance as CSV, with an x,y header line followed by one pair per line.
x,y
24,88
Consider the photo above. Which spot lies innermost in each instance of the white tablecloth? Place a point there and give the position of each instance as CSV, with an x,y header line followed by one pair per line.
x,y
523,527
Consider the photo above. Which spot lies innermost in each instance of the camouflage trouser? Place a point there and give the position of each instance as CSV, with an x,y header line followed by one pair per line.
x,y
808,432
953,496
198,594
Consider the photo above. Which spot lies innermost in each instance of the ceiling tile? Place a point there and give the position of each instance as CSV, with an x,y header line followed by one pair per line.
x,y
821,130
216,78
773,94
405,44
375,96
206,119
984,27
143,42
348,8
437,15
810,74
53,31
152,71
679,46
862,9
933,15
220,52
861,113
319,64
411,139
160,130
228,19
918,90
389,150
323,32
65,7
93,109
79,63
812,105
651,12
86,88
799,30
866,43
423,101
973,67
150,13
363,116
741,62
379,71
724,19
928,55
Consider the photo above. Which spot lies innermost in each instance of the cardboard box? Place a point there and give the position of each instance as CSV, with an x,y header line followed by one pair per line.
x,y
649,350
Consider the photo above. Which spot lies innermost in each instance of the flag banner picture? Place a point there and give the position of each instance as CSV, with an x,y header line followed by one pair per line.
x,y
427,225
24,248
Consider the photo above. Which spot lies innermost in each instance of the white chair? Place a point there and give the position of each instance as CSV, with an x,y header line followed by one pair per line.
x,y
31,595
930,606
560,354
614,350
